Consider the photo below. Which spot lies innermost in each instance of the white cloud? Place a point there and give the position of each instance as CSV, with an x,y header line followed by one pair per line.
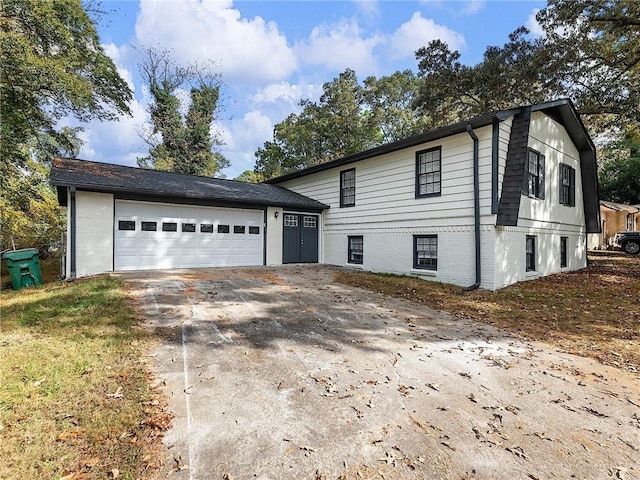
x,y
368,8
243,137
472,6
418,32
249,50
533,25
339,46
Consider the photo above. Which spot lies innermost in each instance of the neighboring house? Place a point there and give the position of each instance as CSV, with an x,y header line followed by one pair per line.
x,y
615,217
500,198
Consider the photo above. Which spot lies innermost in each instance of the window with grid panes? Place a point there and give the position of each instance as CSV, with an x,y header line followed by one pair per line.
x,y
428,169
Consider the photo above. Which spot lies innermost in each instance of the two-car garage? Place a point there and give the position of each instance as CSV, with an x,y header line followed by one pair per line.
x,y
159,235
125,218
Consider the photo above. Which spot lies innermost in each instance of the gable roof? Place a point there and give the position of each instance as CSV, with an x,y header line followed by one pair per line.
x,y
129,182
563,111
620,207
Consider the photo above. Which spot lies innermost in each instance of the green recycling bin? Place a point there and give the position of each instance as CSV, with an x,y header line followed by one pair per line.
x,y
24,267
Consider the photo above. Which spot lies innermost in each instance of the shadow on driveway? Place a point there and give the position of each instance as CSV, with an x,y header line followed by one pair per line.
x,y
279,373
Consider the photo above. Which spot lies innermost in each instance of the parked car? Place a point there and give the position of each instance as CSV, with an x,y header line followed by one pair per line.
x,y
629,242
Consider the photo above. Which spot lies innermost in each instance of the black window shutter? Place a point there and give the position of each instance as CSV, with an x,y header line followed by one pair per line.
x,y
561,171
572,188
525,175
541,176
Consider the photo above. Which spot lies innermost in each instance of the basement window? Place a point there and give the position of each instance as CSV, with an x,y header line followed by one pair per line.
x,y
425,252
356,250
563,252
530,258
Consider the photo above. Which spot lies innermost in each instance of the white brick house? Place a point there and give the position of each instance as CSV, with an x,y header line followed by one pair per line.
x,y
503,197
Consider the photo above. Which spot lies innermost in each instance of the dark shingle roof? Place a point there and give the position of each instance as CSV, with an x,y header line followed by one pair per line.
x,y
118,179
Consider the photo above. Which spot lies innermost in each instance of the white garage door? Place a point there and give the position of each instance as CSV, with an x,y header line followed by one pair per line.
x,y
160,235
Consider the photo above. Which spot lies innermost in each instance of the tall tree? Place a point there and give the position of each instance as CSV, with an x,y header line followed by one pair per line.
x,y
348,119
52,67
514,74
181,143
620,173
595,55
390,101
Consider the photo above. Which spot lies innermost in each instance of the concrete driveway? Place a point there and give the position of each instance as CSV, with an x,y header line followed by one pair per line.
x,y
282,374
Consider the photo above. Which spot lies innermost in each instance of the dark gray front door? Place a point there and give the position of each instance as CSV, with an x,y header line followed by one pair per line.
x,y
300,242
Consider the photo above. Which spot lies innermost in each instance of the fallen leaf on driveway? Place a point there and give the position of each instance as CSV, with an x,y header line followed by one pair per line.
x,y
517,451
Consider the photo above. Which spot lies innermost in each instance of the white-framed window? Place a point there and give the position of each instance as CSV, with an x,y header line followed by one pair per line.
x,y
309,221
290,220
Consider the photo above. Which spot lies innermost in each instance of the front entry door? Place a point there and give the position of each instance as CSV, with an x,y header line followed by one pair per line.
x,y
300,242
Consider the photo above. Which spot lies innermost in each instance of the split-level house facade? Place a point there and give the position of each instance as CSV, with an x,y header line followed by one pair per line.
x,y
501,198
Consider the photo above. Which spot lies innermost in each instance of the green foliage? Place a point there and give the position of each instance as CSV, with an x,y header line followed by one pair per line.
x,y
595,54
508,76
620,176
390,101
180,143
52,66
31,216
250,176
349,118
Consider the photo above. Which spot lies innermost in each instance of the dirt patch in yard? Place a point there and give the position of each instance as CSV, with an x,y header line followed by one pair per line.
x,y
594,312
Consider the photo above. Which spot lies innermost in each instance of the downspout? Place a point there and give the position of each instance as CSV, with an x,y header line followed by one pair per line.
x,y
72,227
476,204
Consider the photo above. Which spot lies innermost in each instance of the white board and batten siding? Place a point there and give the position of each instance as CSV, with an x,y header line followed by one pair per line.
x,y
387,214
241,244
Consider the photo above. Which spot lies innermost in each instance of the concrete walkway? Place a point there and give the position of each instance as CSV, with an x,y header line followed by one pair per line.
x,y
282,374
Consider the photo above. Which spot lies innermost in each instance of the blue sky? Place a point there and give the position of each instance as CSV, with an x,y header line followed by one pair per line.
x,y
272,54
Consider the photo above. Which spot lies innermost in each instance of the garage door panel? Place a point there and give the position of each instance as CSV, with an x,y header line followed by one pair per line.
x,y
148,249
